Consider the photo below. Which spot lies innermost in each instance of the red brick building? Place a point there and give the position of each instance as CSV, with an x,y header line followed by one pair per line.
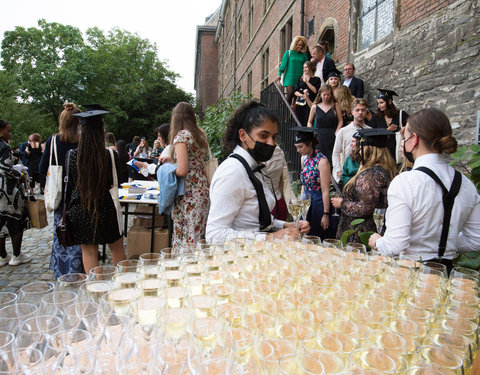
x,y
426,50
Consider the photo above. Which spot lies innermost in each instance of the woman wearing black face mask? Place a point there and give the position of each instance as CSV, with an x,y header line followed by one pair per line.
x,y
240,197
416,222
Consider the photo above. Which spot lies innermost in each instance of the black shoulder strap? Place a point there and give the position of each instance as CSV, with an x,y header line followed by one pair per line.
x,y
448,201
264,217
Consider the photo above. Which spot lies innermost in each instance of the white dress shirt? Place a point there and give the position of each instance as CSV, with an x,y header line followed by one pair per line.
x,y
234,205
341,149
415,213
319,70
347,82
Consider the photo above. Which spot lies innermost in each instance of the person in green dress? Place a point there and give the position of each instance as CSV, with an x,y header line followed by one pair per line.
x,y
292,65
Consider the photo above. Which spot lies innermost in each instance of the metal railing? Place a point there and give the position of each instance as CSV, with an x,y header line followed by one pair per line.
x,y
274,98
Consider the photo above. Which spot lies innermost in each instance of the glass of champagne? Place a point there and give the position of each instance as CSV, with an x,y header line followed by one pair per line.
x,y
295,208
333,194
379,218
306,200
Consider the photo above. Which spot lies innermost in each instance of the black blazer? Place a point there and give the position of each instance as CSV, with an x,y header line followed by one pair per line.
x,y
328,66
357,87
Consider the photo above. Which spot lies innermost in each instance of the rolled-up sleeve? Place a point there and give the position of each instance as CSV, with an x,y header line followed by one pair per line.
x,y
469,237
398,220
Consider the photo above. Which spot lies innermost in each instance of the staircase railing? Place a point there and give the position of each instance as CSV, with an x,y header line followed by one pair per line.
x,y
274,98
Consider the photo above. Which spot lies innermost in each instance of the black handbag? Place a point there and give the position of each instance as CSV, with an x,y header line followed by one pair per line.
x,y
63,229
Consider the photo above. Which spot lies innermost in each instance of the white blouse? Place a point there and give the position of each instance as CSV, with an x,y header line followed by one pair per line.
x,y
233,201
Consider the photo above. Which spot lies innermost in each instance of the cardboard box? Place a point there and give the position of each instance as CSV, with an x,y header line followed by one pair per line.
x,y
138,241
140,220
146,221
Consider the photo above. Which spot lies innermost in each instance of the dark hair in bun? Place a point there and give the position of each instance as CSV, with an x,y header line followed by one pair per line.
x,y
433,127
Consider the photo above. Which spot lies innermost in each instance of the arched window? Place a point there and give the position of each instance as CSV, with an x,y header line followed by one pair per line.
x,y
328,35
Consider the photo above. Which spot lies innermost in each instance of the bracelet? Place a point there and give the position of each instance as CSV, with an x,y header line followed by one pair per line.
x,y
326,213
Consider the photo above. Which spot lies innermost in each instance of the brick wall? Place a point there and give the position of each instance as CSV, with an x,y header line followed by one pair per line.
x,y
411,11
207,84
266,34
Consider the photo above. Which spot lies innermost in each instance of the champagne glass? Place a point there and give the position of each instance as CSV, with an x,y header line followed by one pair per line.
x,y
306,200
379,218
7,298
333,194
295,208
71,281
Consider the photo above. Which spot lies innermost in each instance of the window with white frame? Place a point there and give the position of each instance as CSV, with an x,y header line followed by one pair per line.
x,y
375,21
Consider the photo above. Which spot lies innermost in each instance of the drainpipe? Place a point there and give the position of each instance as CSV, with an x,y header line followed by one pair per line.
x,y
302,17
235,47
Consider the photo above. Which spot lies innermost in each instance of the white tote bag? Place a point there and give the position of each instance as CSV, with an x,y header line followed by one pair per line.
x,y
398,141
53,185
114,194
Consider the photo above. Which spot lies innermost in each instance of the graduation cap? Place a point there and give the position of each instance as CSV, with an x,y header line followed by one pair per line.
x,y
375,137
304,134
93,116
386,94
357,135
334,73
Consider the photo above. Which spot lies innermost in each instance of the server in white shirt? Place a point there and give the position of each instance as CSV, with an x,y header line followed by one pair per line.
x,y
240,197
416,224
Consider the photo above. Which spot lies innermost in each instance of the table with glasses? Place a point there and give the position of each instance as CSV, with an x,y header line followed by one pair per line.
x,y
249,306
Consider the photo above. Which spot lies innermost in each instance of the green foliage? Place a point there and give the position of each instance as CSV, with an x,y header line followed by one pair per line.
x,y
468,260
53,63
364,236
216,118
467,159
25,118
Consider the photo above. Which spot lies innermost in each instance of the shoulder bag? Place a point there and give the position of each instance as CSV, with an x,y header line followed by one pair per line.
x,y
63,229
210,166
282,76
53,186
36,211
398,140
114,194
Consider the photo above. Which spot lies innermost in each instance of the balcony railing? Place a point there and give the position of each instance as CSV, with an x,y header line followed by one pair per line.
x,y
274,99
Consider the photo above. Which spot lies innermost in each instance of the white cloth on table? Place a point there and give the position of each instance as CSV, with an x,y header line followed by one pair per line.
x,y
415,213
233,201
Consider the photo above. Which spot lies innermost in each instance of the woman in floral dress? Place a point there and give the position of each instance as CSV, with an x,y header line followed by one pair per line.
x,y
190,146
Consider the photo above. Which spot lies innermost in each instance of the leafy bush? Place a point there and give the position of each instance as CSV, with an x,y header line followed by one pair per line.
x,y
216,119
467,159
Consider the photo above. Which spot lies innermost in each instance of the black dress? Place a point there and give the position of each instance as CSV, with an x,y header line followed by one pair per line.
x,y
302,108
83,221
33,161
326,123
378,121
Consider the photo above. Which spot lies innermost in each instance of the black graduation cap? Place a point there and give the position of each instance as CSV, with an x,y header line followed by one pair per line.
x,y
93,116
357,135
386,94
334,73
304,134
375,137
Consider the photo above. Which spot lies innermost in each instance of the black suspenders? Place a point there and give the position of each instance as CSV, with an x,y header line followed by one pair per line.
x,y
448,201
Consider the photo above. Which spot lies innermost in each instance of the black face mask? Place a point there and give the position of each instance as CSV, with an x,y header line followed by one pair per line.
x,y
408,154
262,152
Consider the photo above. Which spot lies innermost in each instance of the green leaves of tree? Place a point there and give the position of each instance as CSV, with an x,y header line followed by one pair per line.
x,y
53,63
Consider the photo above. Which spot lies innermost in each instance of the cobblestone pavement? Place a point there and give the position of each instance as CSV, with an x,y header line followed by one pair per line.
x,y
36,243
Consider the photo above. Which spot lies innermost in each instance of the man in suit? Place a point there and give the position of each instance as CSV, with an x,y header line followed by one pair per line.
x,y
353,83
323,64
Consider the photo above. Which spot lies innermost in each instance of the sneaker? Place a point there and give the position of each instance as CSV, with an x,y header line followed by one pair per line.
x,y
4,261
22,258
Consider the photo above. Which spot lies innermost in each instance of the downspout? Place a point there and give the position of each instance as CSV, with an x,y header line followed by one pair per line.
x,y
235,47
302,17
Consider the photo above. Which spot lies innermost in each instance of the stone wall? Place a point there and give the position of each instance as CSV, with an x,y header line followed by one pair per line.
x,y
431,63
